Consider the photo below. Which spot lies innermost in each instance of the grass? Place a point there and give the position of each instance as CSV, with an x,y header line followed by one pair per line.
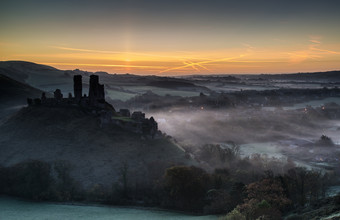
x,y
126,119
123,96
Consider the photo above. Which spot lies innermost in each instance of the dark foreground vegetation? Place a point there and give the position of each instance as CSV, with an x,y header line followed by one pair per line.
x,y
242,188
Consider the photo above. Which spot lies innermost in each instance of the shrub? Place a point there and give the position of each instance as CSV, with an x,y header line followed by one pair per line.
x,y
234,215
31,179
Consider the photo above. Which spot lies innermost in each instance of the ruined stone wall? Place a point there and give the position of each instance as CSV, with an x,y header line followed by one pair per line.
x,y
96,91
77,87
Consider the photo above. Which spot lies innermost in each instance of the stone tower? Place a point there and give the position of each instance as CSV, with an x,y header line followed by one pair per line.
x,y
78,87
96,91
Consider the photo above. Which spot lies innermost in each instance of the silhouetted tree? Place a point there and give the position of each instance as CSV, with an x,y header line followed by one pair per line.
x,y
186,187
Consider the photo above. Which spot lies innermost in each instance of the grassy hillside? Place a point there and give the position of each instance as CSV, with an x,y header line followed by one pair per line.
x,y
39,76
12,90
96,155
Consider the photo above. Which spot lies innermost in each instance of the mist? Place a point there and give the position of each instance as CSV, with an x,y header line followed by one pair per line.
x,y
293,134
239,125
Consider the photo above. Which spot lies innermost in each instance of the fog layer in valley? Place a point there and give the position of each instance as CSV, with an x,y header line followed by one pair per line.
x,y
239,125
278,133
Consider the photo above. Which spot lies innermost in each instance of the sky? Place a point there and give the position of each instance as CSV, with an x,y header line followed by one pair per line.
x,y
173,37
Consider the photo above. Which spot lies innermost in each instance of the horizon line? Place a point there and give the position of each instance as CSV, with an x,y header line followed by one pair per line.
x,y
172,75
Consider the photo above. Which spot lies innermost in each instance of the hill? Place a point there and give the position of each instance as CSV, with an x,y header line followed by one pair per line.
x,y
15,91
43,77
95,154
20,70
330,76
118,86
13,95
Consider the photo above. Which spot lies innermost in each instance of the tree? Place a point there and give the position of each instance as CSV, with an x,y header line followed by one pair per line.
x,y
123,171
66,187
305,186
218,155
270,190
264,198
31,179
186,187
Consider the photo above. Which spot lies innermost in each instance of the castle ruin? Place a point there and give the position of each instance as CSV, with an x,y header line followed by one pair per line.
x,y
96,91
77,87
95,103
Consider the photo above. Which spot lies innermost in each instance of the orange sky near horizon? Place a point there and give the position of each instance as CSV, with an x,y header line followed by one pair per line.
x,y
312,56
158,38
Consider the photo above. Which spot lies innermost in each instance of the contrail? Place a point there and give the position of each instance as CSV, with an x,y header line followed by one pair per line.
x,y
105,65
120,52
200,63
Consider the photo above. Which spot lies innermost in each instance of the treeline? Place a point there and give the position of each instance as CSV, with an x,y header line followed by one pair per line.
x,y
193,189
245,188
34,180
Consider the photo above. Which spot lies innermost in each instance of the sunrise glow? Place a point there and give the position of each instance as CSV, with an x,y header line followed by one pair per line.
x,y
155,39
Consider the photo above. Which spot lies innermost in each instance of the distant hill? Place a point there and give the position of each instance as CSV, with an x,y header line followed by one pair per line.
x,y
326,76
117,86
15,91
39,76
171,83
13,95
95,154
20,70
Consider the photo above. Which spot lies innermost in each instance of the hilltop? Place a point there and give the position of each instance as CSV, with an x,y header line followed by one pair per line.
x,y
86,133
